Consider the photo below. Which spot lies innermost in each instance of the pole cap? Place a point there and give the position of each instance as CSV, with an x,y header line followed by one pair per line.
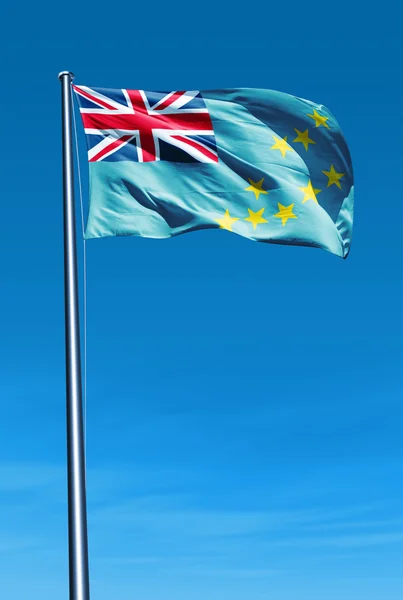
x,y
64,73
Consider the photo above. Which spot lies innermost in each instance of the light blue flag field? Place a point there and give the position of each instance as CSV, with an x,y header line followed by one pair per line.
x,y
263,164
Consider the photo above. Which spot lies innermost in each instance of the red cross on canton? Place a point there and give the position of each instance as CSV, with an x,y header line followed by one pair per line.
x,y
152,125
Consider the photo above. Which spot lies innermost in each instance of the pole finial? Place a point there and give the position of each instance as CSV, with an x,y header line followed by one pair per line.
x,y
68,73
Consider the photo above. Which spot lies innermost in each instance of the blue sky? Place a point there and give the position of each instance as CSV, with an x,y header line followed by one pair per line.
x,y
244,400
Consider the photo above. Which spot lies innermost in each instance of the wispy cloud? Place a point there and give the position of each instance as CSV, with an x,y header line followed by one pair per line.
x,y
166,512
349,541
16,477
168,526
177,533
238,573
16,543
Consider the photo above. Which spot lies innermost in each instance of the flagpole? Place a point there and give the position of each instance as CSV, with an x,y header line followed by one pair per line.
x,y
77,512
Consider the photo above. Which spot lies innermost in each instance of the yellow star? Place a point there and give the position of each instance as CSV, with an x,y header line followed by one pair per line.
x,y
281,144
319,119
227,221
333,177
256,188
285,213
309,193
304,138
256,217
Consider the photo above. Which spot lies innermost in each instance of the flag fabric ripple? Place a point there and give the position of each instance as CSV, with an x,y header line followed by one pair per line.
x,y
259,163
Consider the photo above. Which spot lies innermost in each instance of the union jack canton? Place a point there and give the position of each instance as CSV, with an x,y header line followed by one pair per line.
x,y
134,125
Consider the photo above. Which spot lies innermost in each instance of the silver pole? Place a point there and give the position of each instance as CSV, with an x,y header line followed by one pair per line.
x,y
78,542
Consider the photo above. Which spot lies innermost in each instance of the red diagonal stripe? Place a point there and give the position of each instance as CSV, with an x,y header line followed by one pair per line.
x,y
93,98
113,145
199,147
170,100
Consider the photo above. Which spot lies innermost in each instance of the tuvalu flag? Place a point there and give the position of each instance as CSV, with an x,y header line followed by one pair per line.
x,y
263,164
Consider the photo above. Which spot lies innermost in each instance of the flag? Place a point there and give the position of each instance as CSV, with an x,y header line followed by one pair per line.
x,y
259,163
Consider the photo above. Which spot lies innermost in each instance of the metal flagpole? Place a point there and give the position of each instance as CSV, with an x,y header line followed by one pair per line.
x,y
78,541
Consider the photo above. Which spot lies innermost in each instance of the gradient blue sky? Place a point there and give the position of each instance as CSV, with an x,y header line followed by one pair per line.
x,y
244,400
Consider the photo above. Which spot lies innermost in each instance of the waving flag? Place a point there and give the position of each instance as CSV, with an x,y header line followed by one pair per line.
x,y
262,164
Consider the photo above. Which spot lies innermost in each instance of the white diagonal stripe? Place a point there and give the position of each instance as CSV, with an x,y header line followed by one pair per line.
x,y
98,96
